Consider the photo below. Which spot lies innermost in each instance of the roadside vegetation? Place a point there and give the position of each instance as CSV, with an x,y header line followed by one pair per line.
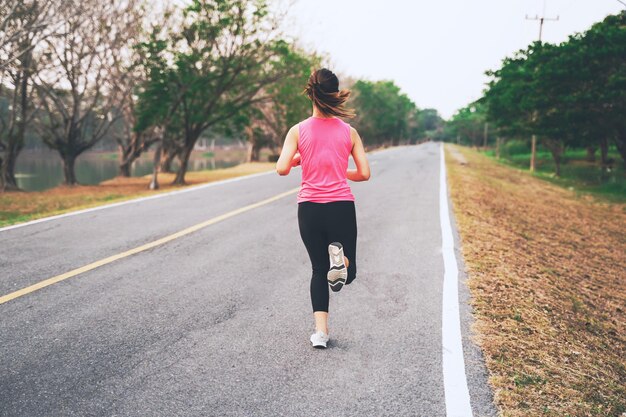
x,y
541,208
556,98
546,271
579,171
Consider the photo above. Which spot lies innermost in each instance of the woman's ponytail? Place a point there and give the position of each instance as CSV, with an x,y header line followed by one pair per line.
x,y
323,90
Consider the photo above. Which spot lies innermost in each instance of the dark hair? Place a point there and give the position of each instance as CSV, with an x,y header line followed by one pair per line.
x,y
323,90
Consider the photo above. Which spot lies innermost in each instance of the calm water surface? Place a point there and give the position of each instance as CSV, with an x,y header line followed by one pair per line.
x,y
40,170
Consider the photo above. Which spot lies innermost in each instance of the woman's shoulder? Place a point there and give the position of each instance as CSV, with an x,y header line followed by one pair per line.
x,y
296,127
348,127
344,125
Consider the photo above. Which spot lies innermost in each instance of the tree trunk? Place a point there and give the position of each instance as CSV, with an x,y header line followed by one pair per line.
x,y
620,143
184,161
591,154
253,146
486,135
167,156
154,182
604,153
68,169
124,170
556,149
125,162
533,153
498,142
15,141
253,152
8,167
557,164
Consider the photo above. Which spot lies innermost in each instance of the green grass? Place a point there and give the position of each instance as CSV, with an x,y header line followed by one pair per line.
x,y
111,197
10,217
576,173
525,379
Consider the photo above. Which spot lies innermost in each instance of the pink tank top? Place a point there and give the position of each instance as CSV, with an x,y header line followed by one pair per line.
x,y
325,146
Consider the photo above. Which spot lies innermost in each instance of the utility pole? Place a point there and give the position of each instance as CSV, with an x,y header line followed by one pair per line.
x,y
485,135
541,20
533,141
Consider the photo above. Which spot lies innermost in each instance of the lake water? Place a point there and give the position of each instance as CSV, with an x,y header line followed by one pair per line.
x,y
41,170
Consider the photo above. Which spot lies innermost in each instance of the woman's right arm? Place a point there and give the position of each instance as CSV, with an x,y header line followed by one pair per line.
x,y
289,156
362,171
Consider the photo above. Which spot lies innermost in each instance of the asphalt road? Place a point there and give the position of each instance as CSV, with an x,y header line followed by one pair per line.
x,y
217,322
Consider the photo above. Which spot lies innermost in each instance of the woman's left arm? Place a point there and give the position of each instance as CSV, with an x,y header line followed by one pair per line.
x,y
289,157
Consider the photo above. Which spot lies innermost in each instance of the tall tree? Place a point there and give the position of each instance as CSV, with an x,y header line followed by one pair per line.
x,y
77,89
129,76
23,24
211,70
383,111
468,124
572,94
286,104
428,122
603,48
22,20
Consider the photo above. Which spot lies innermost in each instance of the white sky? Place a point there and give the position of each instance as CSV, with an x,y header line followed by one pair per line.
x,y
436,51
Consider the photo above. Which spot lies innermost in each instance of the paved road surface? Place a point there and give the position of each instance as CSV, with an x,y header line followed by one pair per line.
x,y
216,323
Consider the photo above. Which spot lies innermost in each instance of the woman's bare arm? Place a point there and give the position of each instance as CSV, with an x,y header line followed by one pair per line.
x,y
362,171
289,156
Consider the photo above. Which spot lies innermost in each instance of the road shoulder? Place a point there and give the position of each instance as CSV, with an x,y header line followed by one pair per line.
x,y
548,320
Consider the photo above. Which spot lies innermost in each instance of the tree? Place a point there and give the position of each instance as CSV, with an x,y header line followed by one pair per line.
x,y
468,124
428,122
77,89
129,75
210,71
603,48
383,112
23,24
572,94
270,120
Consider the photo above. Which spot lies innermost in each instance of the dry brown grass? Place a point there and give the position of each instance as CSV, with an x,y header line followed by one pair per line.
x,y
547,273
17,207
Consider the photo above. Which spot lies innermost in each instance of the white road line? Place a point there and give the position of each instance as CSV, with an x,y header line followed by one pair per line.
x,y
454,379
137,200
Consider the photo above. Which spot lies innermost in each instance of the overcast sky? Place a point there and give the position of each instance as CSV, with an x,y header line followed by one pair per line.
x,y
437,51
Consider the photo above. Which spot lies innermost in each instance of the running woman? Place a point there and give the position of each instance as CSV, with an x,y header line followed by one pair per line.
x,y
322,145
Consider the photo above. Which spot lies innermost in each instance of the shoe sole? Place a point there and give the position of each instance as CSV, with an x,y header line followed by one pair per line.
x,y
338,273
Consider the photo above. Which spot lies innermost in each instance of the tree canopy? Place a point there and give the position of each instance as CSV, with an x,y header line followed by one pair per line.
x,y
571,94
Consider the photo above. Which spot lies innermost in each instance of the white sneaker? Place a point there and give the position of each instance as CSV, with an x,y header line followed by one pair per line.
x,y
338,273
319,340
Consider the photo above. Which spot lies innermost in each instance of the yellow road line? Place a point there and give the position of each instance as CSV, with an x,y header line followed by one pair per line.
x,y
94,265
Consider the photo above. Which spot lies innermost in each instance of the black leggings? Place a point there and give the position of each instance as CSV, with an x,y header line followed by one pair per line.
x,y
321,224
